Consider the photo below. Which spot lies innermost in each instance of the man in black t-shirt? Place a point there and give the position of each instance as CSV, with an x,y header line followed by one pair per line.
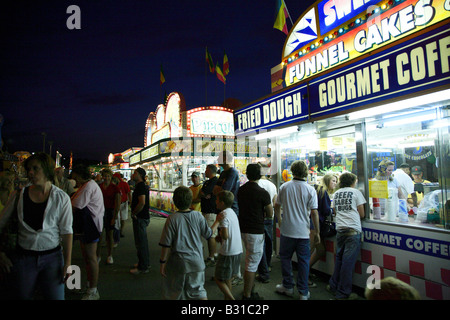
x,y
254,205
140,204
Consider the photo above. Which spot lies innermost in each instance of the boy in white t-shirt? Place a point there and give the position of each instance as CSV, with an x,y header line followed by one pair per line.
x,y
229,236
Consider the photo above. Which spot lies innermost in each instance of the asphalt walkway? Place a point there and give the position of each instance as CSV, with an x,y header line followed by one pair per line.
x,y
116,282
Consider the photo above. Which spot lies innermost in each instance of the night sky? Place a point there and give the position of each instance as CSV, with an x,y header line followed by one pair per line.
x,y
91,89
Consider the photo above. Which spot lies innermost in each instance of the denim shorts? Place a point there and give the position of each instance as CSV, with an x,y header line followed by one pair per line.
x,y
227,267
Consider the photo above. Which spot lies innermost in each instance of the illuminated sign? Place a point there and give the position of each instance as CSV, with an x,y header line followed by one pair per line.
x,y
173,109
150,127
124,165
206,146
211,121
166,122
241,148
389,22
162,133
180,147
150,152
417,64
135,158
160,116
303,33
279,109
333,13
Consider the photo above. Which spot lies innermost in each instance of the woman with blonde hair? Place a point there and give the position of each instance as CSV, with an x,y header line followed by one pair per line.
x,y
324,190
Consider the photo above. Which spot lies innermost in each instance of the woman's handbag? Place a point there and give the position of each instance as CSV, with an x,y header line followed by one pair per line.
x,y
328,227
10,233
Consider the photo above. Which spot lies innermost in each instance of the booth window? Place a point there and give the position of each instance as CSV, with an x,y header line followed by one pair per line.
x,y
324,149
409,147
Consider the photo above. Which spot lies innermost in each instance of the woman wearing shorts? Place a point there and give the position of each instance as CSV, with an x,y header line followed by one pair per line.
x,y
88,210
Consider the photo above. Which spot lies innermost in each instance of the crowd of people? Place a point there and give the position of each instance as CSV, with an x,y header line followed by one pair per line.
x,y
233,219
49,208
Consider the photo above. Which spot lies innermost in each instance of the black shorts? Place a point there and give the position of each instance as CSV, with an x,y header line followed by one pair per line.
x,y
84,227
107,218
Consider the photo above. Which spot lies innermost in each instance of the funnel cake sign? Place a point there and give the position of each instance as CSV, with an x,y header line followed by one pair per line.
x,y
348,29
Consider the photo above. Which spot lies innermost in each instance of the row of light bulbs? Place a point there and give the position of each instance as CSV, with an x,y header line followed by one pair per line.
x,y
385,6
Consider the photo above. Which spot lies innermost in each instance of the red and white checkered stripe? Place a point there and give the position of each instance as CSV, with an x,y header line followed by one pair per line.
x,y
430,276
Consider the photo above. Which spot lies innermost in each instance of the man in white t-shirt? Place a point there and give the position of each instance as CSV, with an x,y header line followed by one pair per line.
x,y
298,200
406,183
264,265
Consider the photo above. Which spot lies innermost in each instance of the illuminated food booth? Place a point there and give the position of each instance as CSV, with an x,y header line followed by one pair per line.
x,y
178,142
119,162
361,82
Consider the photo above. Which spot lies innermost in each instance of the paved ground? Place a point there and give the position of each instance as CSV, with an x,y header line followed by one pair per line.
x,y
116,283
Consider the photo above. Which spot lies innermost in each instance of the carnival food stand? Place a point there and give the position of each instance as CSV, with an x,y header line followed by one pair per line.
x,y
179,142
358,83
119,162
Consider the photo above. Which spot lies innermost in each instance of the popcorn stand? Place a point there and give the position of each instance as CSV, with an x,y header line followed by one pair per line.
x,y
179,141
361,82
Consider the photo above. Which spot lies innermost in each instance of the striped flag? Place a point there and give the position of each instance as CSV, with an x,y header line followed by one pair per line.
x,y
282,15
226,65
209,61
162,79
219,74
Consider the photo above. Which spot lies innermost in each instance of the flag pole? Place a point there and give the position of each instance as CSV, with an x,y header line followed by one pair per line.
x,y
160,91
215,90
288,12
224,86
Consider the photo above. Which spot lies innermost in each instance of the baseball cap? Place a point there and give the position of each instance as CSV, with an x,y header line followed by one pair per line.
x,y
405,165
117,175
416,170
195,174
141,172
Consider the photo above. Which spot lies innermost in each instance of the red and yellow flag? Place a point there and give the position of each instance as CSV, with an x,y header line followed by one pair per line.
x,y
209,61
282,15
219,74
226,65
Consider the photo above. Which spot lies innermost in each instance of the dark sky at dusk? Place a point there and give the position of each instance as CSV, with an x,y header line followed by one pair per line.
x,y
91,90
